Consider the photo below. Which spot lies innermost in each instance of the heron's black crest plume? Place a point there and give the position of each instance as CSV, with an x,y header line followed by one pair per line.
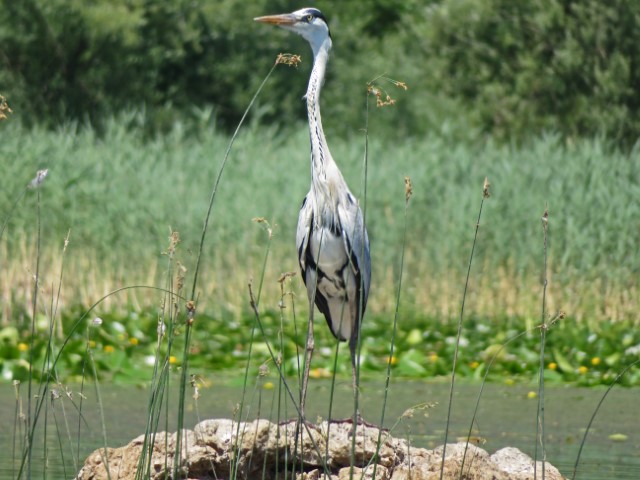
x,y
315,13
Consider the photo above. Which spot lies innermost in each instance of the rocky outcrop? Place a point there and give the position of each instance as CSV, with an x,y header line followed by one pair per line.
x,y
262,449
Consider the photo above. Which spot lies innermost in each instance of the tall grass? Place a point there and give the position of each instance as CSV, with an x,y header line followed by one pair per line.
x,y
454,363
121,196
437,232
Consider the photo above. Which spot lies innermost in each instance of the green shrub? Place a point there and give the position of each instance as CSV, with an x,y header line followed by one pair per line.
x,y
521,67
505,68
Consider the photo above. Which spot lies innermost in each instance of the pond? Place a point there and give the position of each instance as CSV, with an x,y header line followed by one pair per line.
x,y
506,417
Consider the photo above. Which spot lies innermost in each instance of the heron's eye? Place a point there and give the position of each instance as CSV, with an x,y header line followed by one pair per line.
x,y
309,18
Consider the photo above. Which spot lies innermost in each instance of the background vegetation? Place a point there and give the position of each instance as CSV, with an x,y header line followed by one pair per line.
x,y
509,69
117,198
130,103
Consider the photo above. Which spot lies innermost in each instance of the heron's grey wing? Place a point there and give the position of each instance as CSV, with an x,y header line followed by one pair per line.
x,y
357,245
308,268
305,217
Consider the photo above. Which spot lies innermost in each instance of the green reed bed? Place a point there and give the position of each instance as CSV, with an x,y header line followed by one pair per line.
x,y
119,197
119,215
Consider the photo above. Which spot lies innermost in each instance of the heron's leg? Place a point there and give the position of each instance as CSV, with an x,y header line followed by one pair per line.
x,y
307,361
353,346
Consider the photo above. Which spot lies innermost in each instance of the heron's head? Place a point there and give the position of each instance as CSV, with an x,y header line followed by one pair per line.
x,y
310,23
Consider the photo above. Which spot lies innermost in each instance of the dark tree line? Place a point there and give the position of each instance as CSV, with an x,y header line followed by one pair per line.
x,y
509,69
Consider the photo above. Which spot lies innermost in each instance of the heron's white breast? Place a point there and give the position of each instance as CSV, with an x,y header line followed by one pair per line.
x,y
332,255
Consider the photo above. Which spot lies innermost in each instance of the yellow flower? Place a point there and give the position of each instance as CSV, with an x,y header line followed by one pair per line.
x,y
134,341
433,357
109,349
474,364
173,360
268,386
23,347
393,360
320,373
595,361
532,394
553,366
582,370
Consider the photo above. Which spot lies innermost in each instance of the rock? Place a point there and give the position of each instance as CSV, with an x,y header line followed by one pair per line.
x,y
262,449
520,466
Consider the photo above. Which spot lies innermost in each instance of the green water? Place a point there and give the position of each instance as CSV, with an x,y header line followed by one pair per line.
x,y
506,417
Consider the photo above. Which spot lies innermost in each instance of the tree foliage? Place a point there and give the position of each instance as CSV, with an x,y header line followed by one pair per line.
x,y
566,65
506,68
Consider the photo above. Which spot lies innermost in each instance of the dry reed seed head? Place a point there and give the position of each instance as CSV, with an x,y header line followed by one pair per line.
x,y
408,189
378,93
559,316
473,439
383,99
485,188
174,240
281,279
545,217
421,406
39,178
68,392
66,241
408,413
267,225
288,59
252,300
181,274
4,108
263,370
285,275
191,311
193,381
55,394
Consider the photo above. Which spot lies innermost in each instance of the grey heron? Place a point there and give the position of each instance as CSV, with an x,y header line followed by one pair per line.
x,y
332,241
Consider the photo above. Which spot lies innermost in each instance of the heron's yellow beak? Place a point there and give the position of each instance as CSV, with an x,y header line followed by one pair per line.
x,y
284,19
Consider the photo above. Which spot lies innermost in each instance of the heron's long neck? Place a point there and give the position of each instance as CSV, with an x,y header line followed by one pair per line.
x,y
322,163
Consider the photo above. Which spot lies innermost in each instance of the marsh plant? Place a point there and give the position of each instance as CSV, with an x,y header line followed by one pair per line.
x,y
223,295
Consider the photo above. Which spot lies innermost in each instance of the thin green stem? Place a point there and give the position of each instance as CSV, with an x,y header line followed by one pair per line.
x,y
540,436
214,191
105,456
484,381
256,312
394,330
457,345
234,470
31,422
595,412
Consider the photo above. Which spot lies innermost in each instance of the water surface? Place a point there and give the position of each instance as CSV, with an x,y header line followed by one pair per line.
x,y
506,417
